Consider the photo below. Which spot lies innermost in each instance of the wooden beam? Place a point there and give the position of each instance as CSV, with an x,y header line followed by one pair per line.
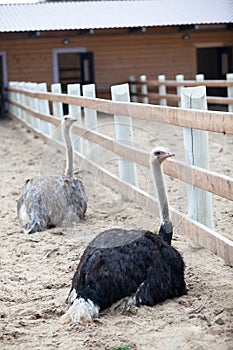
x,y
207,180
220,122
187,83
218,184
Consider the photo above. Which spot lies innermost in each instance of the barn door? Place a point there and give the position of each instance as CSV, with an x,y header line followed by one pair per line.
x,y
72,66
75,67
214,63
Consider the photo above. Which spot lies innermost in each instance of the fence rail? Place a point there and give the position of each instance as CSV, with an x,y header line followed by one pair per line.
x,y
220,122
156,91
24,106
218,184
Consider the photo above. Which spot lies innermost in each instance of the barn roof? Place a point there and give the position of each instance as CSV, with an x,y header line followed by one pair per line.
x,y
112,14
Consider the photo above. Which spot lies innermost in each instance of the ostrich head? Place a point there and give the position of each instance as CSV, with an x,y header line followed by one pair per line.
x,y
159,154
68,121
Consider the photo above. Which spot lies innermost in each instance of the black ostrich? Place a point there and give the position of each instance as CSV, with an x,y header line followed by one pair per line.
x,y
120,263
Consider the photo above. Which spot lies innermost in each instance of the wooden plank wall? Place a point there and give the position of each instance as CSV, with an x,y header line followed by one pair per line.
x,y
117,54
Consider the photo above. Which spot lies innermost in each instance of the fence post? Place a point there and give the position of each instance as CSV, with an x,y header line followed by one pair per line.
x,y
43,106
75,111
11,97
23,101
15,96
57,110
144,89
230,91
31,120
162,90
179,78
57,106
197,153
133,89
33,103
200,77
91,123
124,133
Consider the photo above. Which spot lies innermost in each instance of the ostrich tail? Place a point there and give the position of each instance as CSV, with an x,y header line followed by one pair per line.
x,y
166,232
81,311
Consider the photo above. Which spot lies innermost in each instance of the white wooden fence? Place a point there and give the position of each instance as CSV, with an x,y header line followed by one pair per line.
x,y
30,104
168,92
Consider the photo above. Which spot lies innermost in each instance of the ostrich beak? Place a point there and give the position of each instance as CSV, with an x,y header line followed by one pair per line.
x,y
70,118
166,155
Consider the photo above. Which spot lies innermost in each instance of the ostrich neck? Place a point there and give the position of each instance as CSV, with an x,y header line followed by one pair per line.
x,y
69,152
161,191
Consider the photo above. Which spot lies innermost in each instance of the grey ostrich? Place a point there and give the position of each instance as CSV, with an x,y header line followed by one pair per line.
x,y
133,263
53,200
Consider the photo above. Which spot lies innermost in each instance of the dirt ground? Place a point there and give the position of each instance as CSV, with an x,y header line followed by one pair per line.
x,y
36,270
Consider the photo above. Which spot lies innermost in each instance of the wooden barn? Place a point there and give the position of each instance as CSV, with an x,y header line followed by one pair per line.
x,y
107,41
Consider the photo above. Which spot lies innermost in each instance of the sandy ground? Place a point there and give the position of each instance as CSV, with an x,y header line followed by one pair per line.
x,y
36,270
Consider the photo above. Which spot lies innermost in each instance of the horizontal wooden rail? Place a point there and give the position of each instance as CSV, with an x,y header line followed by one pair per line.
x,y
220,185
151,95
220,100
187,83
207,180
220,122
173,97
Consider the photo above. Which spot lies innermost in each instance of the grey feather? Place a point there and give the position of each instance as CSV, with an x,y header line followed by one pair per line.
x,y
53,200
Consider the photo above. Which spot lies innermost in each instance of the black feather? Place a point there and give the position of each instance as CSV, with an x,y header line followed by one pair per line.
x,y
120,263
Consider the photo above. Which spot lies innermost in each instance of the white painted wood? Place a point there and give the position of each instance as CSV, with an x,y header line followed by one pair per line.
x,y
23,100
43,106
15,97
133,89
162,90
11,96
230,91
200,77
27,104
197,153
124,134
18,97
34,105
144,89
57,106
91,123
179,78
75,111
57,111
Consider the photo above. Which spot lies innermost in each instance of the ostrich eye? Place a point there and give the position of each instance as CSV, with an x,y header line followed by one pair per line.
x,y
157,153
